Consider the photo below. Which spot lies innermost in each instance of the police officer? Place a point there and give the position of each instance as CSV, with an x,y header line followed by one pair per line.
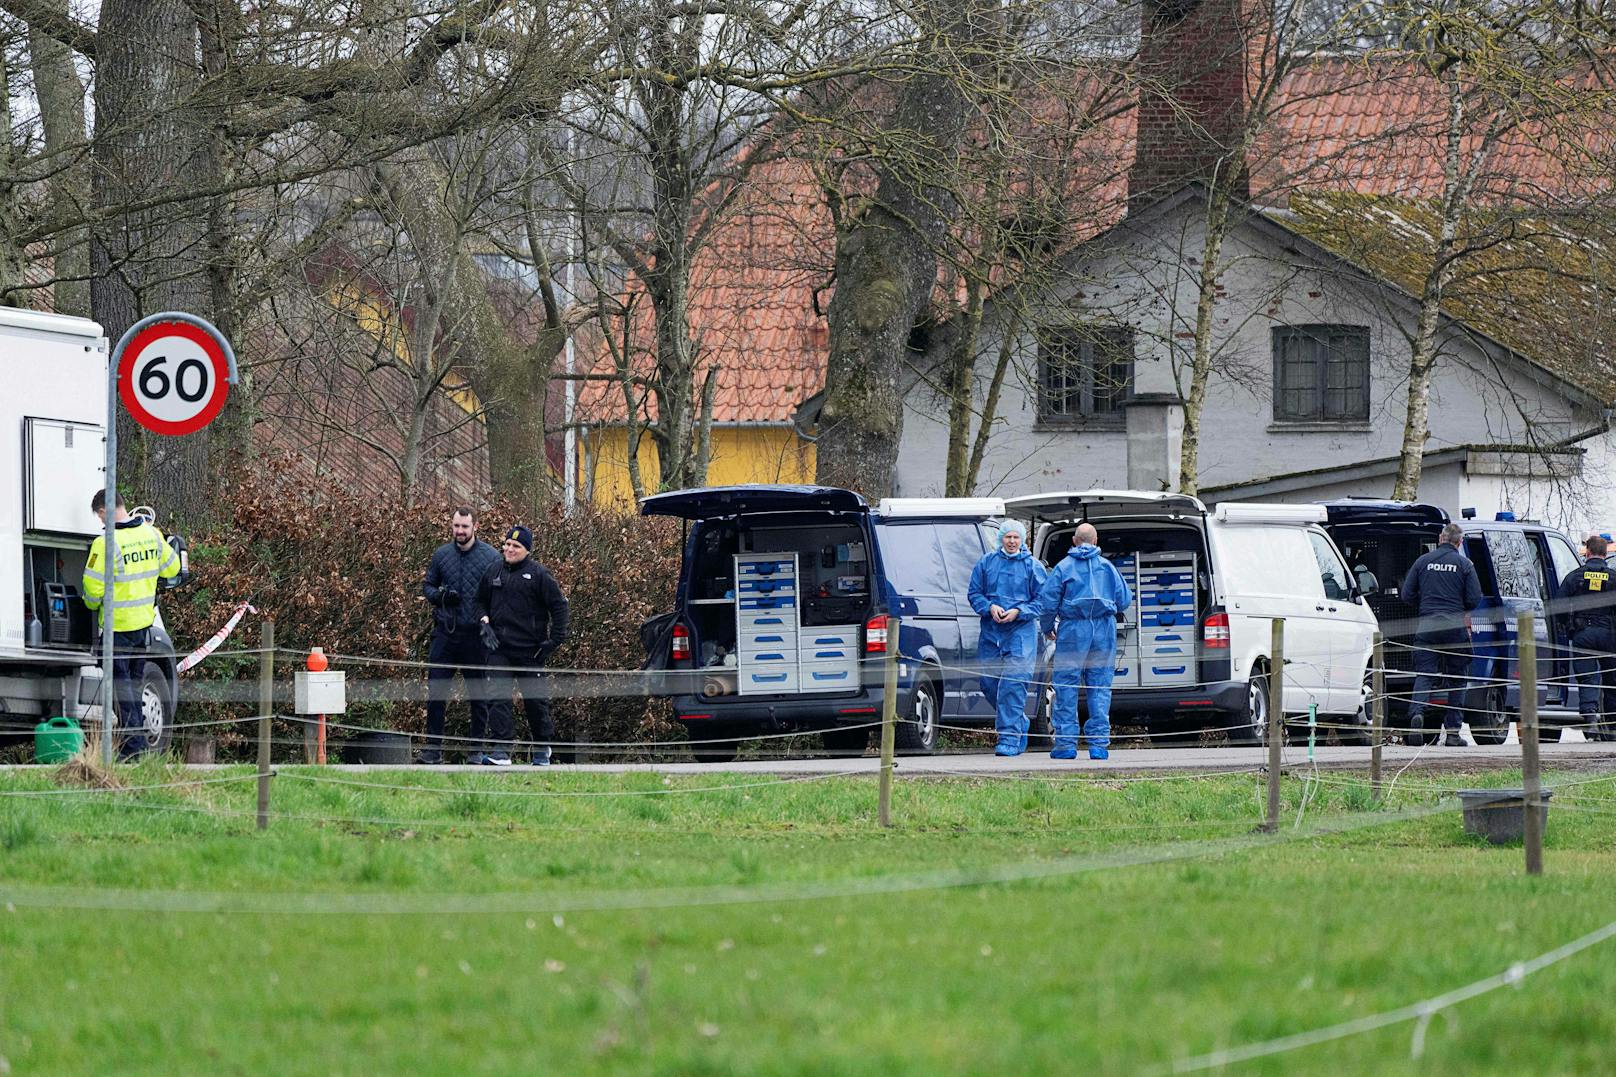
x,y
452,579
1590,591
525,619
143,558
1442,586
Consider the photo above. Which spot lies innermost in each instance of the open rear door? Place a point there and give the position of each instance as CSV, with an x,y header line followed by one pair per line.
x,y
712,502
1099,505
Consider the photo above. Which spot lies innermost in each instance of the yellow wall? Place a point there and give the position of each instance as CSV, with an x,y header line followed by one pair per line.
x,y
740,454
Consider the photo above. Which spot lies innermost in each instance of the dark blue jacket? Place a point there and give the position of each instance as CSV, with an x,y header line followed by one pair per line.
x,y
460,571
1590,591
1442,587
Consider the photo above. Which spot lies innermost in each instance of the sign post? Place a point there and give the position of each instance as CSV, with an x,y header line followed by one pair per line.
x,y
173,372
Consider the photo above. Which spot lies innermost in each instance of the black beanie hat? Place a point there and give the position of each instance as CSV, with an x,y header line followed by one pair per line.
x,y
521,534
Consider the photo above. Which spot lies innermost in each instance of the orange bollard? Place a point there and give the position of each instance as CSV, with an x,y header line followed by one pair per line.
x,y
317,663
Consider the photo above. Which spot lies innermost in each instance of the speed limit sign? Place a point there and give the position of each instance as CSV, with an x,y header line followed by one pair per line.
x,y
174,376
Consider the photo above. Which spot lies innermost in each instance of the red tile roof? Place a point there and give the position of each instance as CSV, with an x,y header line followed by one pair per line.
x,y
1342,124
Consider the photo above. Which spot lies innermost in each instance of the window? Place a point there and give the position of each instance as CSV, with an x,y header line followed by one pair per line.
x,y
962,549
1321,373
1332,572
1565,558
1269,561
912,559
1515,561
1084,372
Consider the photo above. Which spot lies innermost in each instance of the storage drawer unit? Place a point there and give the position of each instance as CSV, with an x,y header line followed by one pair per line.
x,y
829,655
766,623
1168,622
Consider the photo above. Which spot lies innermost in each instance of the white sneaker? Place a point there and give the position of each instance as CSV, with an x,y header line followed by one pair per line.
x,y
497,759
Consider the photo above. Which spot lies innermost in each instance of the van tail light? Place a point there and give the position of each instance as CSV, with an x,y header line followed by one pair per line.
x,y
875,634
1215,632
681,643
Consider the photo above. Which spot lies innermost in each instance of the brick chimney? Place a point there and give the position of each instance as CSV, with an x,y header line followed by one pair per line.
x,y
1197,71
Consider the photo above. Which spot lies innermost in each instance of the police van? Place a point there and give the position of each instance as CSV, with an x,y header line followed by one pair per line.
x,y
1519,564
780,621
52,455
1195,650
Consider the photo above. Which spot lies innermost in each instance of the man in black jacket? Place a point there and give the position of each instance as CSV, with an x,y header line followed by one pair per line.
x,y
1590,592
452,578
1442,586
525,619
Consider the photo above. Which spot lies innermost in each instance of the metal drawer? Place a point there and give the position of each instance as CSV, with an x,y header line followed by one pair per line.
x,y
765,619
753,681
820,675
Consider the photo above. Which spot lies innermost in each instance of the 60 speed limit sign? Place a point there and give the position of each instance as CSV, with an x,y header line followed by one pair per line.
x,y
173,377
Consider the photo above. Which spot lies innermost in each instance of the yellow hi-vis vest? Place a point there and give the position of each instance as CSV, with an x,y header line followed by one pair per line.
x,y
144,557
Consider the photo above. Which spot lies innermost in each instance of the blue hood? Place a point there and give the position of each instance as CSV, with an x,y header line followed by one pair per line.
x,y
1083,553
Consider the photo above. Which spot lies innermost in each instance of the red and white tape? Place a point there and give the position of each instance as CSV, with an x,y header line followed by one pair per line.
x,y
218,637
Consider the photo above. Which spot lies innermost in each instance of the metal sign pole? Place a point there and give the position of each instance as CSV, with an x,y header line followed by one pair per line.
x,y
109,702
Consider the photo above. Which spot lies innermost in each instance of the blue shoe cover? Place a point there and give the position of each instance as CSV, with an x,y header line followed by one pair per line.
x,y
1063,754
1099,753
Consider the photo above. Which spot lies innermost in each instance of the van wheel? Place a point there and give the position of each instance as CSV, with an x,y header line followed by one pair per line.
x,y
156,708
917,731
1255,731
1490,724
711,746
1038,725
845,741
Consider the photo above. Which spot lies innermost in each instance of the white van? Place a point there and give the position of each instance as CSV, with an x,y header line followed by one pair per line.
x,y
1195,649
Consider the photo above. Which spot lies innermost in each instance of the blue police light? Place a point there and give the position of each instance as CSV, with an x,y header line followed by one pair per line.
x,y
1508,517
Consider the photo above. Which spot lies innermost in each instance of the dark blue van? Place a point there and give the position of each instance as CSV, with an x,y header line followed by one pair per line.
x,y
1520,565
780,619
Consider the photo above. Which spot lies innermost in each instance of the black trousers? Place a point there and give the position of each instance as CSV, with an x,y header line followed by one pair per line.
x,y
128,665
1441,655
503,678
449,654
1593,659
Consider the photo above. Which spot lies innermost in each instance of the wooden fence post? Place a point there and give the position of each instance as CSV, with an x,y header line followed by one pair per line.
x,y
1378,732
1276,720
266,707
1526,655
889,721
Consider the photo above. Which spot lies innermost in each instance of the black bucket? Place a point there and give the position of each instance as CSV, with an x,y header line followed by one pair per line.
x,y
380,748
1499,815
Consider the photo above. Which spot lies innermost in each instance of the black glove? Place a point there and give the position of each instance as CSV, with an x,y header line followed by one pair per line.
x,y
546,649
451,597
490,641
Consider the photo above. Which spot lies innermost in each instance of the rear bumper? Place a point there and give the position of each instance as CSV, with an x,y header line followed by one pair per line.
x,y
1143,705
784,712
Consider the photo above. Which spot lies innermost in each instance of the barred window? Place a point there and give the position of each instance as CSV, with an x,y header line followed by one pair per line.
x,y
1084,371
1321,373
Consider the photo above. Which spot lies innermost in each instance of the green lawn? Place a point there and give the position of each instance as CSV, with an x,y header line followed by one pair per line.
x,y
773,928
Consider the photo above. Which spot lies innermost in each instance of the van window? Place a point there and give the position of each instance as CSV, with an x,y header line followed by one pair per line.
x,y
1565,558
1516,565
1257,560
914,564
1332,573
962,549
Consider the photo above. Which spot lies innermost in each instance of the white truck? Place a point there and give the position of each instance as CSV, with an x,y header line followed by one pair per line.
x,y
52,459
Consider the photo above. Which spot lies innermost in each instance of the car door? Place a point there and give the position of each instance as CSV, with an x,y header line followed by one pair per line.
x,y
1519,575
962,544
1563,560
913,562
1348,623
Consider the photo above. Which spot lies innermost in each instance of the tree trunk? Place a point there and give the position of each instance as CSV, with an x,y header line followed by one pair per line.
x,y
990,407
960,386
886,264
148,141
1211,272
61,114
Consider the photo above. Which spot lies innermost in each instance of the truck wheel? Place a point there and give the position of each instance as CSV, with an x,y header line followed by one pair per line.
x,y
712,746
1489,724
845,741
917,731
1255,731
156,708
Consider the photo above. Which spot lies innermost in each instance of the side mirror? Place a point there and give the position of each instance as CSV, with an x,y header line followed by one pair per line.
x,y
1367,583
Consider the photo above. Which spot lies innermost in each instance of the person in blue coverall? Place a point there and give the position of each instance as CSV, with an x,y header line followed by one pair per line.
x,y
1004,593
1085,593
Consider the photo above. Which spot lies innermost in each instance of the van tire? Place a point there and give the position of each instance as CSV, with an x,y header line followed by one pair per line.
x,y
916,733
1490,724
1255,730
848,742
714,748
156,707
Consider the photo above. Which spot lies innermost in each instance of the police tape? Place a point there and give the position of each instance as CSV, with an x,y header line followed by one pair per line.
x,y
218,637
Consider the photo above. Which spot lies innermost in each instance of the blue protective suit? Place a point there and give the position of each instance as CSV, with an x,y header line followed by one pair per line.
x,y
1085,592
1007,653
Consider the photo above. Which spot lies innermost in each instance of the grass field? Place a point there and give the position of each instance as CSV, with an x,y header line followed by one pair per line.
x,y
671,926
